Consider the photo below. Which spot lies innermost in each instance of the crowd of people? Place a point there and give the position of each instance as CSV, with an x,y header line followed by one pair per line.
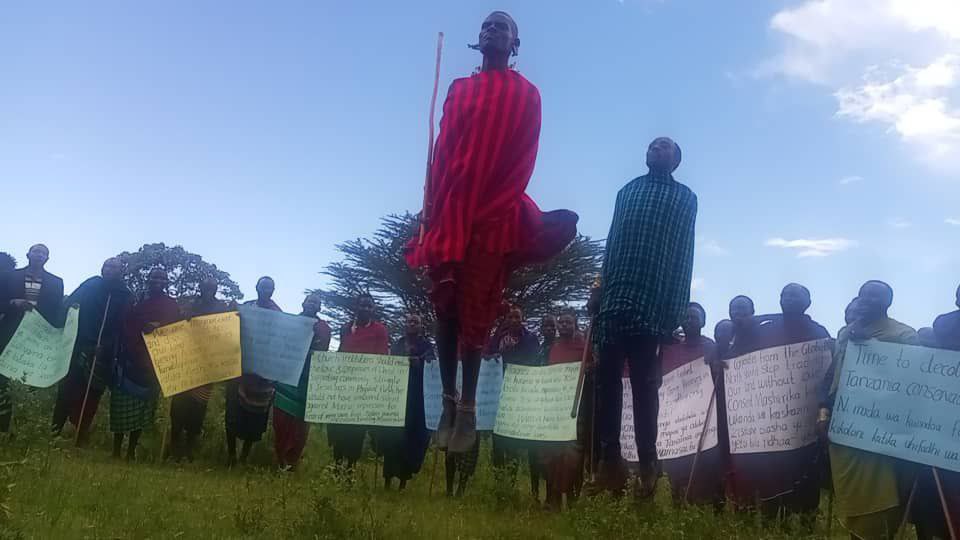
x,y
476,227
110,354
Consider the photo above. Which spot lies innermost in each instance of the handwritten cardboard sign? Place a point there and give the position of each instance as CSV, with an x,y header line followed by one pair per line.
x,y
274,344
488,393
39,354
901,401
188,354
772,398
357,389
535,402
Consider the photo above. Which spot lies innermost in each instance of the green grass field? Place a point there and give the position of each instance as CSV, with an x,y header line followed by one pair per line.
x,y
48,489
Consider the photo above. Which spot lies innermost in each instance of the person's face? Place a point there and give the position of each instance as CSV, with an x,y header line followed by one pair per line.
x,y
311,304
414,325
265,288
567,325
111,270
850,314
794,300
661,154
208,288
694,322
515,319
157,282
872,302
741,312
38,256
365,308
548,327
496,35
723,332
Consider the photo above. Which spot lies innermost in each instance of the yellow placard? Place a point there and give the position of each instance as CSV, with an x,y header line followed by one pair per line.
x,y
192,353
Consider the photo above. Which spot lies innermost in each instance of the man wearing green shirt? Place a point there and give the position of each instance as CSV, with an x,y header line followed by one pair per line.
x,y
647,270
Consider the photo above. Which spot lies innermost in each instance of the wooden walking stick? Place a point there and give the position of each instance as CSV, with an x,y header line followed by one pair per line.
x,y
583,370
943,503
906,511
93,366
703,435
425,213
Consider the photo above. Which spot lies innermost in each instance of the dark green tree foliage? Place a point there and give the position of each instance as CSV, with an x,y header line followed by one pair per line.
x,y
376,265
186,271
7,261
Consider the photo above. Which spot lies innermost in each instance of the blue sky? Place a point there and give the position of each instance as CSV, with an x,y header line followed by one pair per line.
x,y
822,136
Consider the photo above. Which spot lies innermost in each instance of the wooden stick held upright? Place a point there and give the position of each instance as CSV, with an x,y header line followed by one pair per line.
x,y
425,213
906,511
943,503
93,366
703,435
587,349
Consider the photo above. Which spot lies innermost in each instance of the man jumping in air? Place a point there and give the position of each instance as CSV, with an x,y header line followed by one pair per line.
x,y
479,223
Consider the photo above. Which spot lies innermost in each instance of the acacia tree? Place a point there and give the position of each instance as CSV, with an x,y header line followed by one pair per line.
x,y
186,271
376,265
7,261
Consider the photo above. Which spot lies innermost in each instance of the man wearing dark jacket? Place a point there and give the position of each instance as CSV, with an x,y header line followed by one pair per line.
x,y
23,290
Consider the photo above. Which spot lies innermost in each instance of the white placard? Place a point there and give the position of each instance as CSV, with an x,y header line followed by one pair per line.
x,y
772,396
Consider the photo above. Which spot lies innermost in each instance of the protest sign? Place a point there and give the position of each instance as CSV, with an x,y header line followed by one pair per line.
x,y
901,401
192,353
772,396
535,402
685,397
357,389
488,393
39,354
274,344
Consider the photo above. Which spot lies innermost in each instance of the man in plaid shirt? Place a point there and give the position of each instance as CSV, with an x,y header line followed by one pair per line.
x,y
646,279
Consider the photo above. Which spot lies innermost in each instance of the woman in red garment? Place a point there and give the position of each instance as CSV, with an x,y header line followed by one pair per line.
x,y
365,336
479,224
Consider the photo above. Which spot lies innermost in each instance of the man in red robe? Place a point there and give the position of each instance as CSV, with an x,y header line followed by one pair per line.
x,y
479,224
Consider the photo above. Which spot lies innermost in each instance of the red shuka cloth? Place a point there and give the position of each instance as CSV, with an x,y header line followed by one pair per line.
x,y
369,339
483,161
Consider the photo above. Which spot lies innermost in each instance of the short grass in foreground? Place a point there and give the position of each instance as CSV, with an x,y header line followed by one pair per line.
x,y
48,489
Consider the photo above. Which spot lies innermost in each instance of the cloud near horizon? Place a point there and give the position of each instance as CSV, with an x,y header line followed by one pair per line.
x,y
810,247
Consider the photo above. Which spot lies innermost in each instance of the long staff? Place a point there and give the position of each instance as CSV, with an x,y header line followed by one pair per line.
x,y
425,214
93,366
587,349
906,511
943,503
703,436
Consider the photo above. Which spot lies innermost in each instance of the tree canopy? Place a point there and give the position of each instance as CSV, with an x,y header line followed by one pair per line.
x,y
186,271
7,261
376,265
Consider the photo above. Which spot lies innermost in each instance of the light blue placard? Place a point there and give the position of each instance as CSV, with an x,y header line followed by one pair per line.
x,y
274,344
901,401
488,393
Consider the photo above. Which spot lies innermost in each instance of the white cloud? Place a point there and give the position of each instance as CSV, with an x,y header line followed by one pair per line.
x,y
846,180
952,221
712,247
809,247
899,223
841,43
